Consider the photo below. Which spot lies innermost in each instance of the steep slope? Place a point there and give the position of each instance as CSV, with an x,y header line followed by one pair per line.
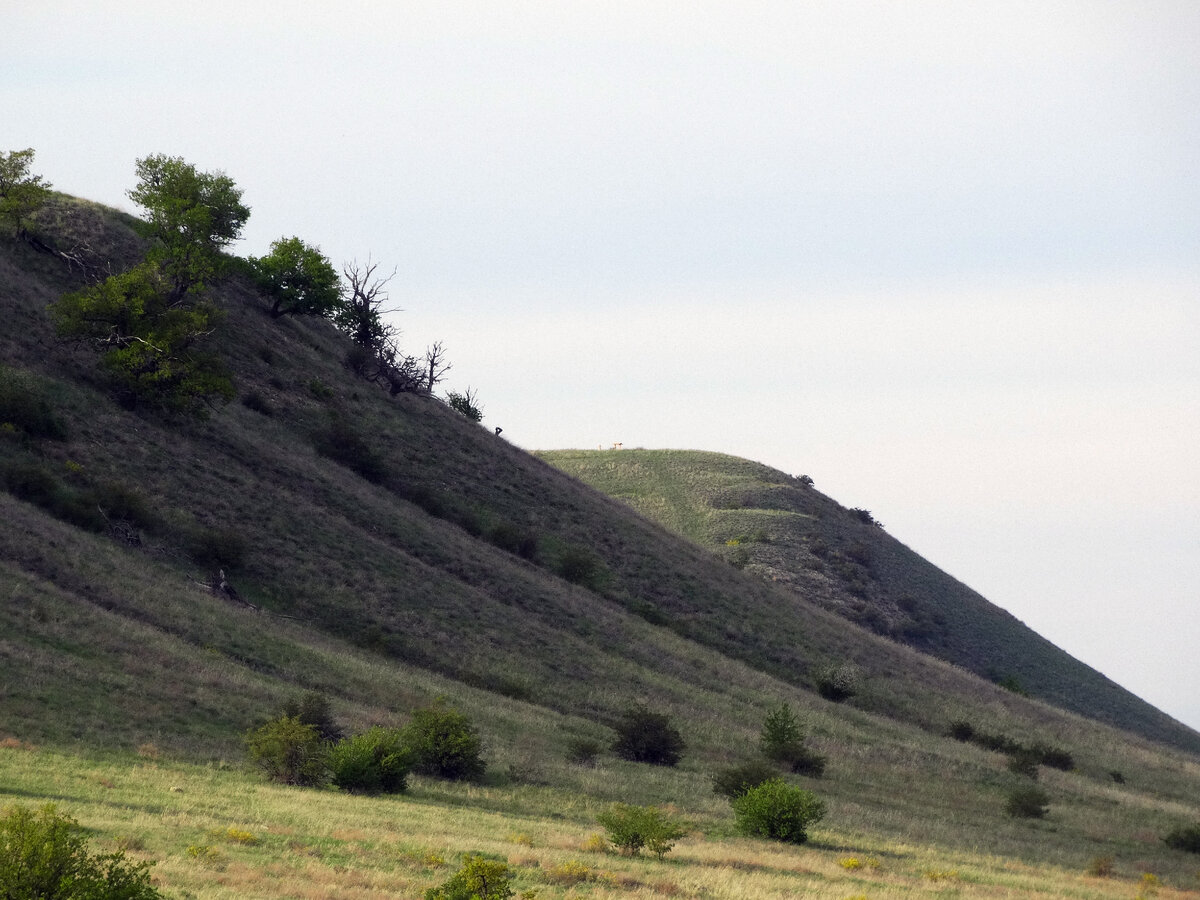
x,y
781,529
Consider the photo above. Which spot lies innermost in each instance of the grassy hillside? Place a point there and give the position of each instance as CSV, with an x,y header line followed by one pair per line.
x,y
459,566
784,531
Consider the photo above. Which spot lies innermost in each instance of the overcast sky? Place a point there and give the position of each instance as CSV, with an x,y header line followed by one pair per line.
x,y
943,257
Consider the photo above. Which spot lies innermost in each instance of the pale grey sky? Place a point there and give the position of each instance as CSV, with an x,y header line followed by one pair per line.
x,y
943,257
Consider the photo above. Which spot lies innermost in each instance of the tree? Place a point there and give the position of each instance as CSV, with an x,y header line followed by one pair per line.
x,y
297,279
152,347
649,737
191,216
782,740
376,355
21,194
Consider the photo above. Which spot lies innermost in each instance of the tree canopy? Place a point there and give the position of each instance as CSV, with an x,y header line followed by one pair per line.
x,y
190,215
21,194
297,279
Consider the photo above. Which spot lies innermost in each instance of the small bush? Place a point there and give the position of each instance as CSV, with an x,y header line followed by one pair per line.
x,y
444,743
478,879
649,737
578,565
375,762
570,872
43,854
513,539
466,404
962,730
216,548
631,828
1117,776
1027,803
778,810
735,781
25,406
1054,757
583,751
838,683
1100,867
1185,838
289,751
342,443
1024,762
312,708
256,402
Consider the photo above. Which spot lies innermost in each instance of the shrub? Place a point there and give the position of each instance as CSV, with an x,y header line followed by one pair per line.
x,y
44,854
375,762
478,879
342,443
216,548
466,404
578,565
1117,776
24,405
778,810
838,683
961,730
1024,762
583,751
258,403
513,539
649,737
630,828
1100,867
1054,757
782,740
736,780
289,751
444,743
1185,838
312,708
1027,803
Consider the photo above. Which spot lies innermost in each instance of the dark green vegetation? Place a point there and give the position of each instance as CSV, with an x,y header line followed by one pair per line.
x,y
171,580
780,528
44,856
777,810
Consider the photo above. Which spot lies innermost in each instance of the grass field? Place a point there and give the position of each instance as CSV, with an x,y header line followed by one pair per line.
x,y
217,832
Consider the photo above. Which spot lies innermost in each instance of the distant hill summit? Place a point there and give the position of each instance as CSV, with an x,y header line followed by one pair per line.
x,y
781,529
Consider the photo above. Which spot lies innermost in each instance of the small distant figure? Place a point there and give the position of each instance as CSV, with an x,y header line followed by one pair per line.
x,y
498,430
617,445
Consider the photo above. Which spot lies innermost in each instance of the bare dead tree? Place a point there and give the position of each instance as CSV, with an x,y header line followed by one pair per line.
x,y
436,366
361,312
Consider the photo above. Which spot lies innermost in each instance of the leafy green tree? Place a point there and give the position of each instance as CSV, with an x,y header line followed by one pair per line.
x,y
152,347
630,828
21,194
191,216
290,752
297,279
777,810
782,740
444,743
44,855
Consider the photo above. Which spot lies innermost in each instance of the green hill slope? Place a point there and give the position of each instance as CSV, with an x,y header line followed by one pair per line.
x,y
461,566
784,531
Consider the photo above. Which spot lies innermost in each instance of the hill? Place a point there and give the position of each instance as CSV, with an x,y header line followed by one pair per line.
x,y
783,530
385,550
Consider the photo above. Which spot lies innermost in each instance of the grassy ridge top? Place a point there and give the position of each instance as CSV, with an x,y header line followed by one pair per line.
x,y
461,567
786,532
